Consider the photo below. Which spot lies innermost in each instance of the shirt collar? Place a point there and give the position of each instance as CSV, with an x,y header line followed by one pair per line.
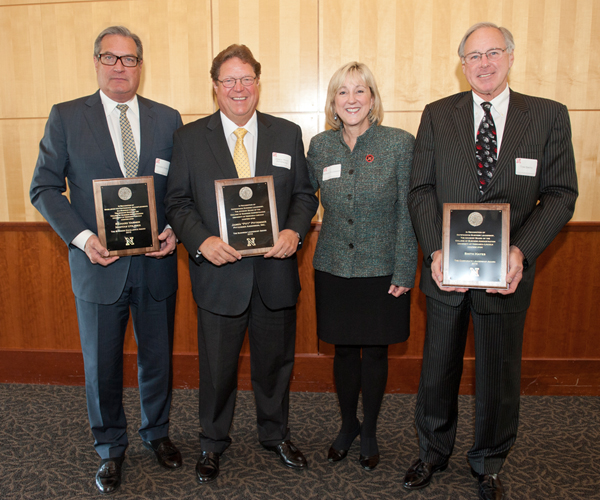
x,y
229,127
110,105
500,102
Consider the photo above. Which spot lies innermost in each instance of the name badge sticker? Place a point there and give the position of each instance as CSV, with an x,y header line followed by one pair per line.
x,y
162,167
282,160
332,172
525,166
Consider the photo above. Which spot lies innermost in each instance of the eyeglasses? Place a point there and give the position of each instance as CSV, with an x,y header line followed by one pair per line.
x,y
229,83
492,55
110,60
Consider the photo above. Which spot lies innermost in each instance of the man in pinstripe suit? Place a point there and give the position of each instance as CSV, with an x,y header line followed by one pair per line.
x,y
542,199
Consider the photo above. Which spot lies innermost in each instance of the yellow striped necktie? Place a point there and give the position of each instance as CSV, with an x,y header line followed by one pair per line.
x,y
240,155
130,158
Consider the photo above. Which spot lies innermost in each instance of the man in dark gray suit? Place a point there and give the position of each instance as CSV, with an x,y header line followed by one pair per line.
x,y
95,137
235,293
535,173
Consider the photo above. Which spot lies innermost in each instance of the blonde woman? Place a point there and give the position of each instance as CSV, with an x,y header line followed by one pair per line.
x,y
366,255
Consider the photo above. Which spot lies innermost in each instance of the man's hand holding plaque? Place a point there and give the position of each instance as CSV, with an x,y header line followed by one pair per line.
x,y
438,275
97,253
286,245
515,272
168,244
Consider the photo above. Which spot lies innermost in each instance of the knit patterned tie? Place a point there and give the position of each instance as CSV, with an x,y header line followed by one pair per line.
x,y
486,148
240,155
130,158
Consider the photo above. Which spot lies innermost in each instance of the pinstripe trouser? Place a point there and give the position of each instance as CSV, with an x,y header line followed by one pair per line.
x,y
498,347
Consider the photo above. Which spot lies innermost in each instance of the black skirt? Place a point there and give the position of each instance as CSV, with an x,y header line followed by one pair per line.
x,y
359,311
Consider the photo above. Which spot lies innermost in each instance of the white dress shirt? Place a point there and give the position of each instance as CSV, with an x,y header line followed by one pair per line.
x,y
499,110
113,116
250,139
114,126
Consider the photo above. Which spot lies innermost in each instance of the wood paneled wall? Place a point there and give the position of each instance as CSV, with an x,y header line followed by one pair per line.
x,y
39,339
409,44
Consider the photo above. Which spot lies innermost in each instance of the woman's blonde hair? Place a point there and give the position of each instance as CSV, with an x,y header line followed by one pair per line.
x,y
361,72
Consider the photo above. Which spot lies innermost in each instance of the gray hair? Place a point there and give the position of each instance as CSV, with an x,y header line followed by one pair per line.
x,y
508,38
121,31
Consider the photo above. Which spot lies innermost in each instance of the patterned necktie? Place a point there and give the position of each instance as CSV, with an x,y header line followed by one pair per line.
x,y
486,148
130,158
240,155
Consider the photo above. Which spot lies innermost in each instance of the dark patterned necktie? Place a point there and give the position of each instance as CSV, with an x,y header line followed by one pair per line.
x,y
486,148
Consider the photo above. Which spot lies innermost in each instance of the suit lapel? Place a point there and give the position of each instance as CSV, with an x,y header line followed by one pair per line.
x,y
264,146
517,121
465,130
96,119
147,124
218,145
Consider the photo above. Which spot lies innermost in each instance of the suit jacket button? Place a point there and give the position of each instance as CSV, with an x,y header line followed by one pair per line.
x,y
350,246
351,171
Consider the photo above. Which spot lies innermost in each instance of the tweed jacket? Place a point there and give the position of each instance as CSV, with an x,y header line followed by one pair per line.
x,y
366,230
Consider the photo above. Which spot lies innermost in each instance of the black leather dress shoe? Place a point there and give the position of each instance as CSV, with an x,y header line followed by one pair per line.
x,y
420,473
108,477
490,487
289,455
369,463
207,467
167,454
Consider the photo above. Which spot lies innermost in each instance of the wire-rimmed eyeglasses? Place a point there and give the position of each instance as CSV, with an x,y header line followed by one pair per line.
x,y
229,83
475,57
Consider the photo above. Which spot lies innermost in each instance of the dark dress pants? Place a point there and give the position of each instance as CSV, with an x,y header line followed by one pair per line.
x,y
498,347
102,332
272,335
